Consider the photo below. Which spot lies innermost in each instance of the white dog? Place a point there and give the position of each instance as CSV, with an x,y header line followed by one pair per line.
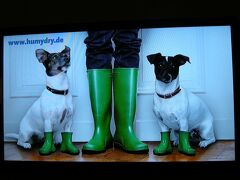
x,y
52,111
175,107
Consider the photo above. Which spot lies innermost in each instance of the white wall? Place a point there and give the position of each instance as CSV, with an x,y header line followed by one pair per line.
x,y
209,75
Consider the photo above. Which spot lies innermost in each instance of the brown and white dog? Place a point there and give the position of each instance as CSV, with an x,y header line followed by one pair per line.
x,y
53,110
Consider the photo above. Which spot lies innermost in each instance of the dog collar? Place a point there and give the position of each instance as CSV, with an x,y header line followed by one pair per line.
x,y
54,91
166,96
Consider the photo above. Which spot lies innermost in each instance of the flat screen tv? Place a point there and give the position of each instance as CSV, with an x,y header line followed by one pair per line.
x,y
182,70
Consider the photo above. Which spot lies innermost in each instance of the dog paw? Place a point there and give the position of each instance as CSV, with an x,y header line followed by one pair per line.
x,y
203,144
25,145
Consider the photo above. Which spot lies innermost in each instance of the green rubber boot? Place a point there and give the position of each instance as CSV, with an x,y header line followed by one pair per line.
x,y
184,145
67,146
100,89
165,146
125,93
48,146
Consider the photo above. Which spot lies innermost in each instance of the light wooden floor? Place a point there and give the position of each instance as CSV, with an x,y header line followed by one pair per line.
x,y
219,151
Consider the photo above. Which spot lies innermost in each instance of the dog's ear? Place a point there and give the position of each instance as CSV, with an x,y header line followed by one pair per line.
x,y
41,55
153,58
66,52
181,59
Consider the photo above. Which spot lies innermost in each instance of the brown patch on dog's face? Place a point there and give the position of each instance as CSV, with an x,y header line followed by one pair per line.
x,y
54,62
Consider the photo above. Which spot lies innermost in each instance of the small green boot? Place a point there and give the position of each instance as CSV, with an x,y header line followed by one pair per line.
x,y
184,145
48,146
165,146
125,94
100,89
67,146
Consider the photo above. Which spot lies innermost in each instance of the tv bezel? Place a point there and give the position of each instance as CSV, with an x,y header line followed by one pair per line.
x,y
134,167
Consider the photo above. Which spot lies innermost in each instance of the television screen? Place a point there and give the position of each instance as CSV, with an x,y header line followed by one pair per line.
x,y
161,94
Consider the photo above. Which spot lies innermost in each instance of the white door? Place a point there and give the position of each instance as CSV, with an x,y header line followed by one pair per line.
x,y
209,75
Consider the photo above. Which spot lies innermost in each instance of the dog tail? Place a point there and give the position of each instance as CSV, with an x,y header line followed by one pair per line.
x,y
12,136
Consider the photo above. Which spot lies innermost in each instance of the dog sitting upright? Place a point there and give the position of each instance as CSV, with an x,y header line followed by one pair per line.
x,y
50,116
178,109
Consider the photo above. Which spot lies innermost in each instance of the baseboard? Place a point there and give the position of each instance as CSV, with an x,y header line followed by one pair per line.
x,y
146,130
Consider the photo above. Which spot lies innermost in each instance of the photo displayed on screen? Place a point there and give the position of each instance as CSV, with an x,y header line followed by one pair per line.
x,y
165,94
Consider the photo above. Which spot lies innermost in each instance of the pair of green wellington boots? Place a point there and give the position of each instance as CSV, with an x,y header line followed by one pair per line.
x,y
66,145
125,92
165,146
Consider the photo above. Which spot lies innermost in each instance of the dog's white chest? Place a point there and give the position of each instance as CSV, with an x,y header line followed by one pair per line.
x,y
56,108
55,105
171,110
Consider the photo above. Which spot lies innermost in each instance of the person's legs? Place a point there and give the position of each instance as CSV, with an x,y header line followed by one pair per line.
x,y
99,56
127,48
99,49
125,90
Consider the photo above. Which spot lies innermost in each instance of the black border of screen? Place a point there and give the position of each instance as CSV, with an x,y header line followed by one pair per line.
x,y
132,168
